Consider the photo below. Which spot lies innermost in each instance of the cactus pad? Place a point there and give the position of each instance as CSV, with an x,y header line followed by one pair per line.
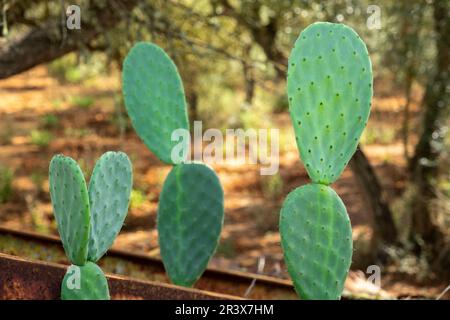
x,y
190,218
70,201
154,98
109,194
316,237
85,283
329,90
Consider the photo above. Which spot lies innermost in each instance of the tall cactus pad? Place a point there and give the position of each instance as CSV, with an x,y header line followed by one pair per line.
x,y
154,98
70,201
190,218
316,237
109,194
85,283
330,90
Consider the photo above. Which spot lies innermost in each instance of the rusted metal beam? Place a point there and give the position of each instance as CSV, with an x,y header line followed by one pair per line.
x,y
25,279
141,266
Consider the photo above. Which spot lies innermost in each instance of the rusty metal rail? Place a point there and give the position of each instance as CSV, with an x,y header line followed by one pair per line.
x,y
140,266
25,279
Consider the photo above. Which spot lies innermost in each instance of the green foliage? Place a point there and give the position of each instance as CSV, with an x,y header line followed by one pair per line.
x,y
89,220
38,179
57,103
84,283
65,69
329,90
281,104
154,98
137,198
6,177
40,138
39,221
316,237
252,118
76,68
378,134
77,132
84,102
70,201
49,121
109,194
272,185
190,218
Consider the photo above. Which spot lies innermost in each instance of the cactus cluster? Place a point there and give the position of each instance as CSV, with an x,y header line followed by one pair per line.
x,y
89,219
190,210
329,87
329,91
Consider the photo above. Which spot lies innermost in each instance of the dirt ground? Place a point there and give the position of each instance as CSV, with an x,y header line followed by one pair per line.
x,y
252,202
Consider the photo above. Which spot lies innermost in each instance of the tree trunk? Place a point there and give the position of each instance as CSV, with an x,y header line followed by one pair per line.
x,y
249,83
406,107
423,165
192,98
384,227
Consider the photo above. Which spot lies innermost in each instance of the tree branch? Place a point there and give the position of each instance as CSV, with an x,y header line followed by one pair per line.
x,y
44,44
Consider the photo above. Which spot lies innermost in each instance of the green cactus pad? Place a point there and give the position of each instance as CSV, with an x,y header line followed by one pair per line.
x,y
84,283
109,194
329,90
190,218
154,98
316,237
70,201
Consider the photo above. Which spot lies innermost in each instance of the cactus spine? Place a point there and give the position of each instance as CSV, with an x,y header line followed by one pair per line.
x,y
329,88
89,220
190,211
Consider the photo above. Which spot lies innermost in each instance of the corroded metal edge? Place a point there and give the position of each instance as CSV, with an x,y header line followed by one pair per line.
x,y
230,282
26,279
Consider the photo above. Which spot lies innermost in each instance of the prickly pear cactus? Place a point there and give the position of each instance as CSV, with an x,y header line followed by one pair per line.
x,y
70,201
190,212
316,237
84,283
329,89
109,194
190,218
154,98
89,221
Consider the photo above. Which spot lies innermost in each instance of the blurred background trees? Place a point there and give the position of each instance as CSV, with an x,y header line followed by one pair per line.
x,y
232,56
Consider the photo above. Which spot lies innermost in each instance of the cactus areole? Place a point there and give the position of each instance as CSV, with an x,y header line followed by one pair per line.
x,y
329,87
